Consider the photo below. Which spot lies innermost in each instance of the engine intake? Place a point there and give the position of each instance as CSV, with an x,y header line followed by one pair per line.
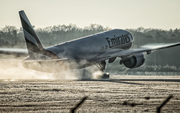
x,y
134,61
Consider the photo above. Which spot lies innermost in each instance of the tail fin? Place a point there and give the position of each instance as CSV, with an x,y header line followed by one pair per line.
x,y
32,41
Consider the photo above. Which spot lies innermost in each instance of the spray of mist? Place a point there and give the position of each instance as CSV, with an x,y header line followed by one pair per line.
x,y
13,70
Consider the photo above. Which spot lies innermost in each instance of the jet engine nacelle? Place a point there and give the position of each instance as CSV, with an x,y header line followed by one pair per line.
x,y
134,61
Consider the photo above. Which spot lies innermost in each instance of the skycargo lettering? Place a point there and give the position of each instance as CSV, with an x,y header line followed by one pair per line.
x,y
116,41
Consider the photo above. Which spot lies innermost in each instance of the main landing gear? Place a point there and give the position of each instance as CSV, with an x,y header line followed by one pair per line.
x,y
105,76
102,66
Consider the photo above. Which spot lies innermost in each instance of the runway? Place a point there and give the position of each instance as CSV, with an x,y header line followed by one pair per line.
x,y
118,94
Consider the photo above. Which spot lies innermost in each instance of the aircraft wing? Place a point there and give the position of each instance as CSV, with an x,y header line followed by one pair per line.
x,y
13,51
107,54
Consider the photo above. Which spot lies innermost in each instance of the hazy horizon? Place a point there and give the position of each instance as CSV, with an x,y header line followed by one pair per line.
x,y
162,14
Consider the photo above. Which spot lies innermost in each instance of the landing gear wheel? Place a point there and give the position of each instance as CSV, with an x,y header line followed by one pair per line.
x,y
105,76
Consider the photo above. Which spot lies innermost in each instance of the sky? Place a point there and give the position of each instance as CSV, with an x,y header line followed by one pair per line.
x,y
121,14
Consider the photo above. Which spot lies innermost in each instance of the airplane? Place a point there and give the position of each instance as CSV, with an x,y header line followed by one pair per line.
x,y
83,52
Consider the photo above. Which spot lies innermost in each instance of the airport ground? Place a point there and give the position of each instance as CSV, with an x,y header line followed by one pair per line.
x,y
133,94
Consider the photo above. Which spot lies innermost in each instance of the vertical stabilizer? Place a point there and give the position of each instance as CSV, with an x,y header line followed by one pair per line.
x,y
33,44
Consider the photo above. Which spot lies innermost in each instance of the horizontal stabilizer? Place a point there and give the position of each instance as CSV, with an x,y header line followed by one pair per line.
x,y
50,66
12,51
41,61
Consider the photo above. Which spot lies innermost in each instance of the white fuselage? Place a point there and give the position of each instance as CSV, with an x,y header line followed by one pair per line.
x,y
85,48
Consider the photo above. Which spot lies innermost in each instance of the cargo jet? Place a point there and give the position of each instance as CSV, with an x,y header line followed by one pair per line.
x,y
91,50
